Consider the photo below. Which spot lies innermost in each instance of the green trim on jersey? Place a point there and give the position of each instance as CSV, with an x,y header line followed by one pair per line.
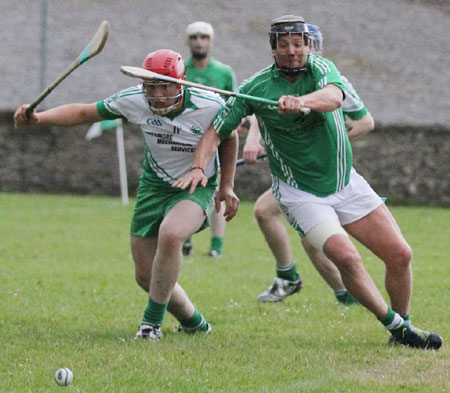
x,y
106,113
352,105
216,74
356,115
309,152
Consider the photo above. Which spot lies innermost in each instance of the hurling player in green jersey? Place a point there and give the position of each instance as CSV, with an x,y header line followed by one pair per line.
x,y
172,119
203,68
268,214
319,192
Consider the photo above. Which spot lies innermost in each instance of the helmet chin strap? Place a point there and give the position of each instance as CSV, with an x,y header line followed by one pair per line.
x,y
286,71
290,71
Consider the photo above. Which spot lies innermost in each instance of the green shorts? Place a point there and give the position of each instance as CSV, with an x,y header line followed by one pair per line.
x,y
153,203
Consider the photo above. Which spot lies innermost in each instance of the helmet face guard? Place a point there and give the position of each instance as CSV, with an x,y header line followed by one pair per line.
x,y
157,92
162,103
289,38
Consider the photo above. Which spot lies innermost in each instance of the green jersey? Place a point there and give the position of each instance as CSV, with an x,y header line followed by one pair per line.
x,y
352,105
309,152
216,74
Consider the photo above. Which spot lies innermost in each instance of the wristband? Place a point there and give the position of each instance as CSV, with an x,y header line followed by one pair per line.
x,y
199,167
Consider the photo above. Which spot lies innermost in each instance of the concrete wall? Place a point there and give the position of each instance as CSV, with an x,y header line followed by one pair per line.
x,y
407,164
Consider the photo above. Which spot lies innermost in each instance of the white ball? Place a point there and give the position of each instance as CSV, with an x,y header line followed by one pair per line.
x,y
63,376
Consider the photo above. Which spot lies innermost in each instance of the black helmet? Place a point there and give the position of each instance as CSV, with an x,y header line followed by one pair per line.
x,y
287,24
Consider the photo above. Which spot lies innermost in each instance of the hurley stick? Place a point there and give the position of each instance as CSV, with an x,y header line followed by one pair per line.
x,y
142,73
94,47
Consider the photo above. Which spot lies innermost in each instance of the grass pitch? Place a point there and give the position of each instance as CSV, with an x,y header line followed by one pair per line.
x,y
68,299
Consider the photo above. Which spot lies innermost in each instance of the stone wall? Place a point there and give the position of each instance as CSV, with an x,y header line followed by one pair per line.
x,y
410,165
406,164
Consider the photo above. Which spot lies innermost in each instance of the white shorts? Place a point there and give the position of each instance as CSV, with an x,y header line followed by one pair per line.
x,y
304,210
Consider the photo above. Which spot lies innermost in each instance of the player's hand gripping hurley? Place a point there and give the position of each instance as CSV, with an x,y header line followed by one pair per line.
x,y
142,73
94,47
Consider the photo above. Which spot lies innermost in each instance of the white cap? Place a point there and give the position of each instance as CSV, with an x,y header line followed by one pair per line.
x,y
200,28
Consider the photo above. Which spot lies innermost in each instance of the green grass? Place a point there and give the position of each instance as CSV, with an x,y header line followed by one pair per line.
x,y
68,299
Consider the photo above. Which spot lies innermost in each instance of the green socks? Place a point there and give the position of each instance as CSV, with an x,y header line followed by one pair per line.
x,y
407,319
154,313
344,297
288,272
216,245
195,323
394,323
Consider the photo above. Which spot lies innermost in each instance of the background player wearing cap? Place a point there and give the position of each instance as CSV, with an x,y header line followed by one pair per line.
x,y
201,67
359,122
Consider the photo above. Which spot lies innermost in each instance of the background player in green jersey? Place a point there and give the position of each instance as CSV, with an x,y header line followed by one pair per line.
x,y
267,212
201,67
172,120
319,192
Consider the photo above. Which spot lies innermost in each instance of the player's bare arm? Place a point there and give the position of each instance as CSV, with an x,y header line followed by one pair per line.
x,y
203,153
253,148
358,128
228,150
65,115
326,99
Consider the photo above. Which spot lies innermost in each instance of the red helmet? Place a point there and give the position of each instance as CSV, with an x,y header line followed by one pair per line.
x,y
169,63
165,62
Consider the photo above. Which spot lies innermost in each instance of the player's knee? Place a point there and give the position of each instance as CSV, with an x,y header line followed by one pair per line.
x,y
401,257
266,207
260,213
344,255
142,275
330,238
170,237
142,279
264,213
405,254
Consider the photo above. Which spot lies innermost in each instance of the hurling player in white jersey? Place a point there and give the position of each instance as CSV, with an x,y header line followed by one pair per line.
x,y
172,120
359,122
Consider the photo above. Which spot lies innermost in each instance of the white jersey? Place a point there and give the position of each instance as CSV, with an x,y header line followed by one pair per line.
x,y
170,140
352,103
